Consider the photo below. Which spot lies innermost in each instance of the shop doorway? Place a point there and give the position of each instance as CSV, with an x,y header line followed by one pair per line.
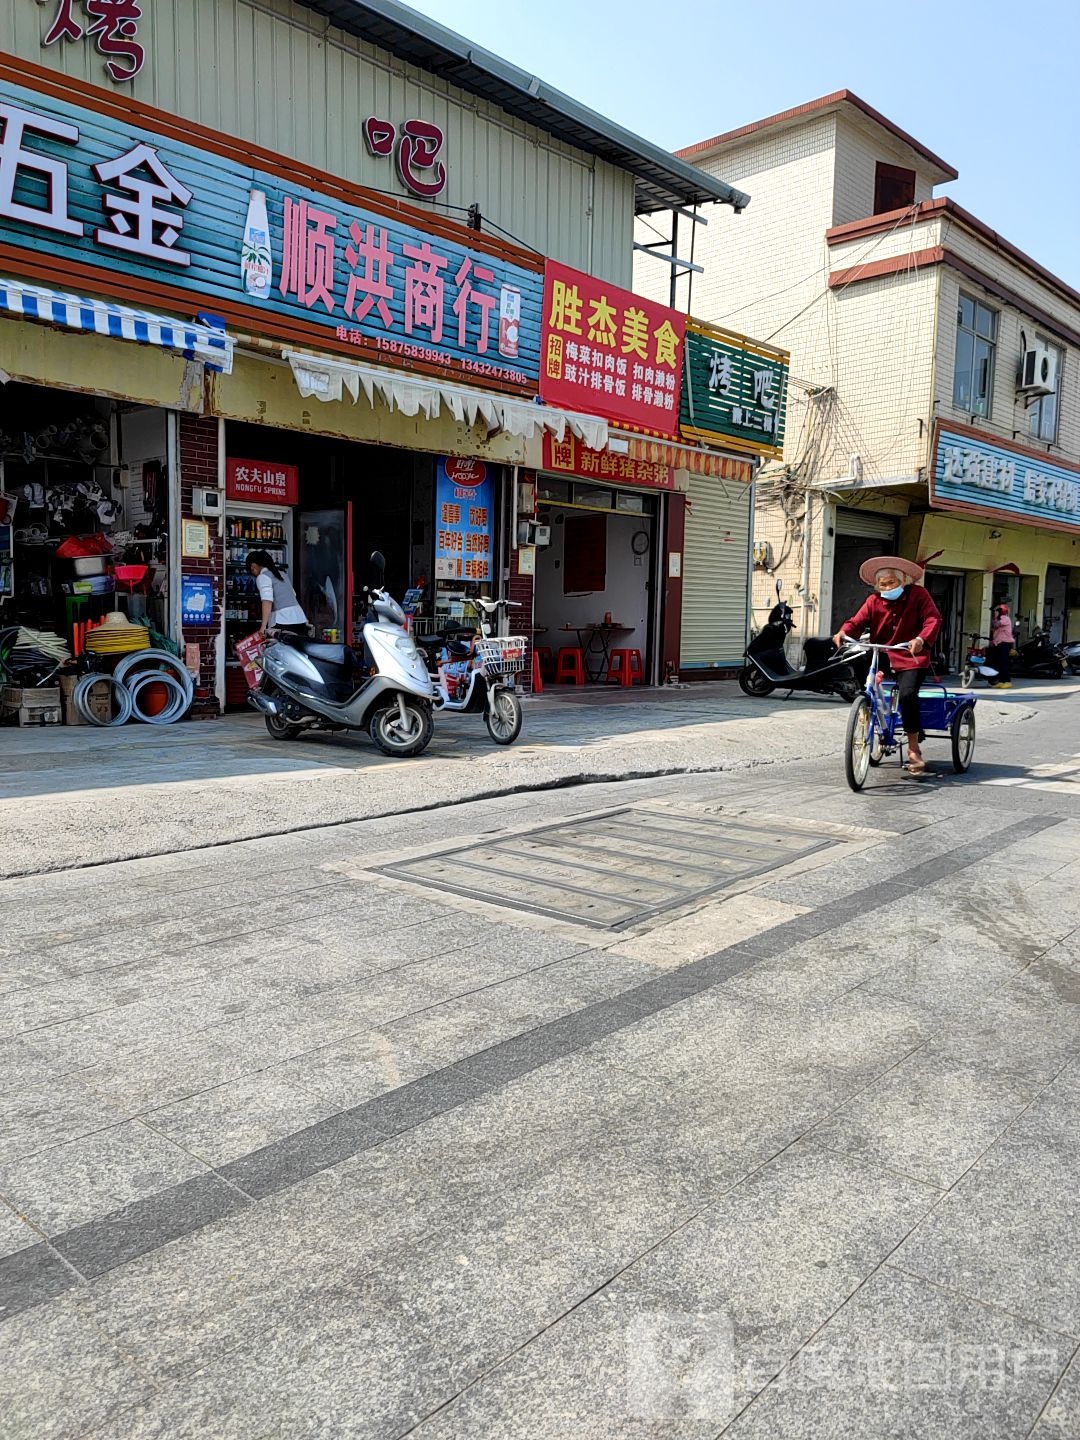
x,y
595,581
858,537
947,589
1055,604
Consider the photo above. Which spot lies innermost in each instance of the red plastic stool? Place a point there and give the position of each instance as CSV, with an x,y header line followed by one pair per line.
x,y
625,668
547,660
537,677
570,669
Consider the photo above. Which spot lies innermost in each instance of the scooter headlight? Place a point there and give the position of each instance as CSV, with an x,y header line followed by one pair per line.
x,y
406,644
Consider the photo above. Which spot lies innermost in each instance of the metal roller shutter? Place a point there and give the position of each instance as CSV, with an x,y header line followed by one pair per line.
x,y
866,525
715,558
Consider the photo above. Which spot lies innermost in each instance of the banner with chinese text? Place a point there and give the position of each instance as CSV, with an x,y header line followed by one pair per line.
x,y
259,482
464,512
735,391
974,471
610,353
570,457
97,201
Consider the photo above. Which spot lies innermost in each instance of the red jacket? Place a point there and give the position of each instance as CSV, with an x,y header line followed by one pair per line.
x,y
895,622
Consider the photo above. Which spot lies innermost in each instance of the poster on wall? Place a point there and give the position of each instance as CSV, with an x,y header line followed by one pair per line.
x,y
197,600
609,352
464,511
115,197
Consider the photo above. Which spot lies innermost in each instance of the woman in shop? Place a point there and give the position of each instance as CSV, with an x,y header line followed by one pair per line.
x,y
280,608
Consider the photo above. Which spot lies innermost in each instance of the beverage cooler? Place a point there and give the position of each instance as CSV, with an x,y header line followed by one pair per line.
x,y
247,528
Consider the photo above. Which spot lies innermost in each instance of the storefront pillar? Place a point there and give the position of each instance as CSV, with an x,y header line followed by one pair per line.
x,y
520,592
671,621
198,446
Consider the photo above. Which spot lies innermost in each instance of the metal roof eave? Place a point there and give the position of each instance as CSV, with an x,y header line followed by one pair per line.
x,y
663,180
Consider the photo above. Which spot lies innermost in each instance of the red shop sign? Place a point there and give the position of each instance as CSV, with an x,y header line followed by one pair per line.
x,y
570,457
611,353
262,482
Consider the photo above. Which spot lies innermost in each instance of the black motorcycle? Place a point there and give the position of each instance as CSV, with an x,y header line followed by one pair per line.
x,y
1071,652
1039,658
767,667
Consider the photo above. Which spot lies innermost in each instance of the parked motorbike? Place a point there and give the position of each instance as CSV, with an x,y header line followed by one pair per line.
x,y
474,672
1039,658
309,685
767,667
1071,653
976,665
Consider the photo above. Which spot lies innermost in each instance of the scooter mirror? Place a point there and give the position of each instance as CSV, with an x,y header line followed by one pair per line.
x,y
779,588
378,563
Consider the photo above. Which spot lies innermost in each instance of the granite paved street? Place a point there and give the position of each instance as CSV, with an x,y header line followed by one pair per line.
x,y
712,1102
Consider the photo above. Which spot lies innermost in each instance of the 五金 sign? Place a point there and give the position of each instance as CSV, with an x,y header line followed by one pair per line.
x,y
262,482
464,502
199,230
609,352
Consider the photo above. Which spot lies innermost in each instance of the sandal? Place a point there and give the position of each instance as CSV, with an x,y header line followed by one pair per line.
x,y
916,767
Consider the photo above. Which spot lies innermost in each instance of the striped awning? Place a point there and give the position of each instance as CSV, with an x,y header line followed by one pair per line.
x,y
688,457
203,341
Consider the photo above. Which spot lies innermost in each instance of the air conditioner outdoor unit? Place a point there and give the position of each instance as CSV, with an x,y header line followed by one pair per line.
x,y
1038,371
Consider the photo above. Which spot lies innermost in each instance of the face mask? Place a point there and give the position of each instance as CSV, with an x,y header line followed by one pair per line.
x,y
892,594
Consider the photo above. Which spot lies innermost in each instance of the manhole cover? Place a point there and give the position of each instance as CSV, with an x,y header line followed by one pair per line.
x,y
612,870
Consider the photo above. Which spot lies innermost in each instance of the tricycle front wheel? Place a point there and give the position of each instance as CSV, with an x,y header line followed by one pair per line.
x,y
962,732
858,746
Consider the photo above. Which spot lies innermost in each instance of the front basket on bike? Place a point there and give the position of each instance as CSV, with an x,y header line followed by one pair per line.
x,y
502,654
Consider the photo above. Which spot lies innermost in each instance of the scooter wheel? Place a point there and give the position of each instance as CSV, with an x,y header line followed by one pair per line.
x,y
282,729
752,682
967,677
402,738
504,726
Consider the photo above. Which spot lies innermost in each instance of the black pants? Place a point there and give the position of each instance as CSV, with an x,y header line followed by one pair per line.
x,y
1001,660
907,692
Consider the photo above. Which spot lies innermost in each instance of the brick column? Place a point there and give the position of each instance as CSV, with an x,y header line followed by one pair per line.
x,y
198,454
520,591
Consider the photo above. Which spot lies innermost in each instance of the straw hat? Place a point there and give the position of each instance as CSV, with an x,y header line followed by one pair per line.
x,y
115,620
912,574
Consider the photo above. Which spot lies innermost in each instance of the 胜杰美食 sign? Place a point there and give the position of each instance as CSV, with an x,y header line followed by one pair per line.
x,y
735,391
262,482
464,506
1009,481
93,198
610,353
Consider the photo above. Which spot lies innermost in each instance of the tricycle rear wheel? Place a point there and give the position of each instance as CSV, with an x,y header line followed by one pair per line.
x,y
962,732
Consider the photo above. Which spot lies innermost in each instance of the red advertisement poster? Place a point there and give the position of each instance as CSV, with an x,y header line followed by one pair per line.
x,y
610,353
570,457
262,482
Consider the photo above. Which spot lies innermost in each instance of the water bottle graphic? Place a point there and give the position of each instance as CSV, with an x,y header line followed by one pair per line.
x,y
256,260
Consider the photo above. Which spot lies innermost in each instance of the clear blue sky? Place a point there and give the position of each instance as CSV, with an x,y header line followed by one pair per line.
x,y
991,87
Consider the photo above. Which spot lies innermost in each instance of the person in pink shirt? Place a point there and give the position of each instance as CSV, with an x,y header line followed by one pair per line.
x,y
1002,640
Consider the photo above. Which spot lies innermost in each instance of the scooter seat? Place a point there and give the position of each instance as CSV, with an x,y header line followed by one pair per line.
x,y
319,650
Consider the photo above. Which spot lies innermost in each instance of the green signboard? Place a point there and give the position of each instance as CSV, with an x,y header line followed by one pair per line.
x,y
734,392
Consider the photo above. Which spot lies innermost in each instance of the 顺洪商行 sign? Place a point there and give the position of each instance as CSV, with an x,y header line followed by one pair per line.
x,y
83,189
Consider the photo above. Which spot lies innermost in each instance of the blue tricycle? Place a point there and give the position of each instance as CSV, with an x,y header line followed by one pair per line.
x,y
873,727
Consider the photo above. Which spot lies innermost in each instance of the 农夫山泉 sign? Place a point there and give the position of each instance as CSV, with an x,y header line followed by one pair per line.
x,y
464,510
971,472
734,392
262,482
570,457
609,352
92,197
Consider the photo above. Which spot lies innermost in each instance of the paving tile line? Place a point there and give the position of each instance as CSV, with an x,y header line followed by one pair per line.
x,y
41,1272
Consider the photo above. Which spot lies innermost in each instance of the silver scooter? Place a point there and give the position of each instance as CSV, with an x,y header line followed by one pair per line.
x,y
308,685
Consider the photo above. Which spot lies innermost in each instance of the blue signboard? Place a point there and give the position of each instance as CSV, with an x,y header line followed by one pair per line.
x,y
465,507
1016,484
87,187
197,600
